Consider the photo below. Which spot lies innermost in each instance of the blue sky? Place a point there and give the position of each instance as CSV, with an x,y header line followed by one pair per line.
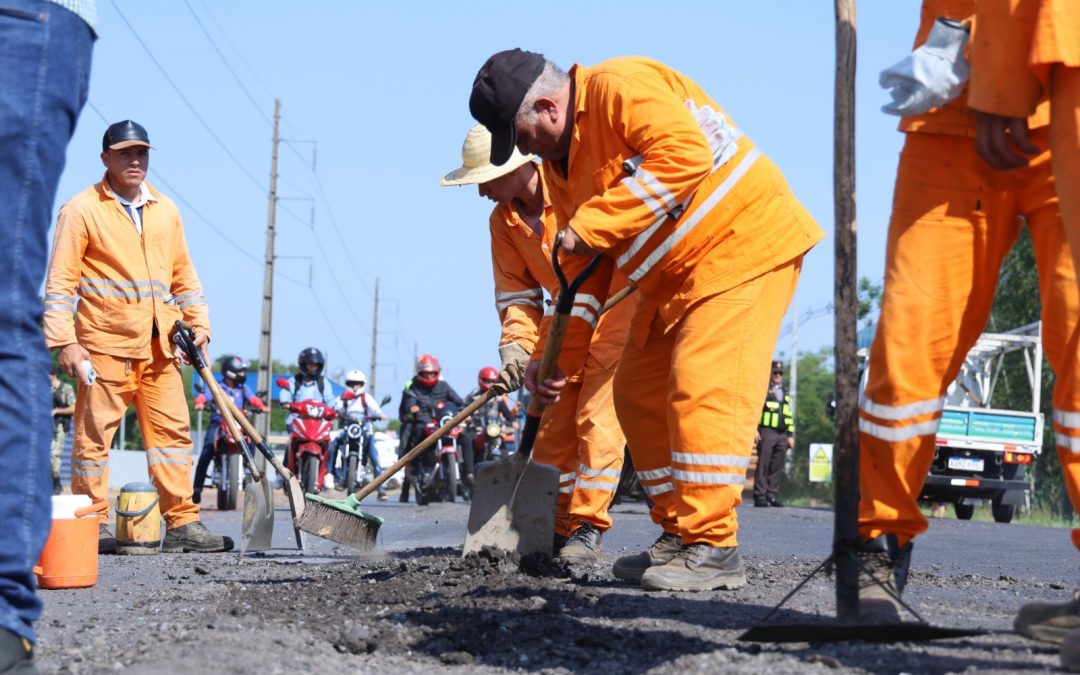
x,y
383,89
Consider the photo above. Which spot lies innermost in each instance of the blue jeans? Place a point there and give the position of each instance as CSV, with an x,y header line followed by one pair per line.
x,y
44,73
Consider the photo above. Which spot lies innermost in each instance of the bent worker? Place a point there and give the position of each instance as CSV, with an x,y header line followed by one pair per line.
x,y
954,220
120,246
580,435
657,178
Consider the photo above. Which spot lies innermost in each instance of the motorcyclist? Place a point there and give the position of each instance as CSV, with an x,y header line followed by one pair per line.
x,y
495,410
308,384
233,377
420,402
364,410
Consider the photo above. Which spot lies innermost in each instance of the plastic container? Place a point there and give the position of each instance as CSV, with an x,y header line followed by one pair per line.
x,y
138,520
70,556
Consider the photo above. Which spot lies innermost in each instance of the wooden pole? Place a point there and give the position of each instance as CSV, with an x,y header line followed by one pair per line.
x,y
262,423
846,446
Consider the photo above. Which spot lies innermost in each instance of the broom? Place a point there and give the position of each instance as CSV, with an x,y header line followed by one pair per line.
x,y
343,521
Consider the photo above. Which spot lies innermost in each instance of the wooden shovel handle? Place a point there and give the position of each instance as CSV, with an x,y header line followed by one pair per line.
x,y
225,410
425,444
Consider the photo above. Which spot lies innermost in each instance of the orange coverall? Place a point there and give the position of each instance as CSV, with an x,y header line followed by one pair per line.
x,y
131,291
954,219
715,279
580,434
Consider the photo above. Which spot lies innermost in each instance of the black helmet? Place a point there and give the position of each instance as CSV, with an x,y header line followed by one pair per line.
x,y
311,356
234,368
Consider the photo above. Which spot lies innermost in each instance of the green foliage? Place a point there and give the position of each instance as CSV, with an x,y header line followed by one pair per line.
x,y
812,425
869,297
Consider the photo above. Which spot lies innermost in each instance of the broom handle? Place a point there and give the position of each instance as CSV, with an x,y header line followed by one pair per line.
x,y
250,430
425,444
617,298
230,421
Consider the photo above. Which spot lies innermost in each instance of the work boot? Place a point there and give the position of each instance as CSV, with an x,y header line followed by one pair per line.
x,y
16,654
631,567
1070,651
583,545
776,502
196,496
1049,622
557,542
106,541
888,563
194,537
57,487
697,567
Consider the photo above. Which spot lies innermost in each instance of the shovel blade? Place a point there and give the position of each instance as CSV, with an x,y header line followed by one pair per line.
x,y
257,530
295,493
831,631
513,506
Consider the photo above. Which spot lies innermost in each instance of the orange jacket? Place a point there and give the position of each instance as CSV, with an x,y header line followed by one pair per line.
x,y
1016,43
127,284
521,262
736,217
955,118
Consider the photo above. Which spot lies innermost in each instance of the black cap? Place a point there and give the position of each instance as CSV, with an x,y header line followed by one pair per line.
x,y
778,365
124,135
497,93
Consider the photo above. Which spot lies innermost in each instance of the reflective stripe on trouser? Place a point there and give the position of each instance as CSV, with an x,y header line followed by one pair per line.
x,y
689,422
954,220
157,390
580,435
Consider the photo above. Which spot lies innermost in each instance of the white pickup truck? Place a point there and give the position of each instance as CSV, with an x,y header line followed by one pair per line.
x,y
982,452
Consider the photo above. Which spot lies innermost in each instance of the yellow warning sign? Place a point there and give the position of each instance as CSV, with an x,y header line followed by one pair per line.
x,y
821,462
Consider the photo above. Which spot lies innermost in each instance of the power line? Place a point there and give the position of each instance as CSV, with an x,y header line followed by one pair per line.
x,y
330,325
227,65
186,101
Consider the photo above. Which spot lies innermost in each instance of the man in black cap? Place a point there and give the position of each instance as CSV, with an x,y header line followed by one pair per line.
x,y
775,434
120,246
644,167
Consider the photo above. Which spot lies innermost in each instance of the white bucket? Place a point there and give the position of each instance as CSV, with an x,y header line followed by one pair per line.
x,y
64,506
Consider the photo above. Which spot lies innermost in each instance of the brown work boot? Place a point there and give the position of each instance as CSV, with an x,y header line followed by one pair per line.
x,y
194,538
882,575
106,541
583,545
1070,651
1048,621
697,567
631,567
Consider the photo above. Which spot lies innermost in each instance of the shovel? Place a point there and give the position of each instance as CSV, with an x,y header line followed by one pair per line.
x,y
258,522
293,491
498,517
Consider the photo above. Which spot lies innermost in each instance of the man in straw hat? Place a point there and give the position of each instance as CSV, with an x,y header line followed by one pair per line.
x,y
120,246
580,434
656,177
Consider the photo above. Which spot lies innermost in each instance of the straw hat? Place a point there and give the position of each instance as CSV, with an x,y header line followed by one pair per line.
x,y
476,166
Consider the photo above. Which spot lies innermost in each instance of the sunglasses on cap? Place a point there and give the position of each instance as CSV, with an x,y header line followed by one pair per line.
x,y
490,381
777,372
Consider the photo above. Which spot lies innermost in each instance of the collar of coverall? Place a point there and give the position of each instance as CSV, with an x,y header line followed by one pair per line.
x,y
146,193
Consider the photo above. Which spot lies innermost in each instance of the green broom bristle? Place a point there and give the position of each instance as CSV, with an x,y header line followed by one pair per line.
x,y
339,520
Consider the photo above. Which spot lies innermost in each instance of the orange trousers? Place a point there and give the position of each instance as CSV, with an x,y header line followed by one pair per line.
x,y
1065,149
580,435
689,399
157,389
954,219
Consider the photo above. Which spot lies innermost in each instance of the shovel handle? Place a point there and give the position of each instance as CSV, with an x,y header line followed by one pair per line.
x,y
423,445
555,337
250,430
226,412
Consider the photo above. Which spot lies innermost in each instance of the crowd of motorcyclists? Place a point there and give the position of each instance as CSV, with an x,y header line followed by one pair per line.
x,y
348,457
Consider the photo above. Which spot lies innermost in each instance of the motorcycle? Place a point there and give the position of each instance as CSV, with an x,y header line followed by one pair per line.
x,y
438,471
309,439
488,440
356,432
227,463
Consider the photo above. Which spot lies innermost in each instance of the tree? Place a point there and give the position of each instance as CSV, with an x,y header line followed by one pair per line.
x,y
812,424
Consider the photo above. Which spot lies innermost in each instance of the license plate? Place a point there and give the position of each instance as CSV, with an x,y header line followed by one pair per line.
x,y
966,464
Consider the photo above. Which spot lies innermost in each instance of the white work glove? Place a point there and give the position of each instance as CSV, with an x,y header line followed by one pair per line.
x,y
721,135
514,361
932,75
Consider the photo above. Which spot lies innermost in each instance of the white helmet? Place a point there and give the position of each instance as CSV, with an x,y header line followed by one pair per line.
x,y
355,375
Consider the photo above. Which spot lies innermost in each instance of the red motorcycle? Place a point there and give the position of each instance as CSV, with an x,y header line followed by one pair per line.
x,y
437,469
309,440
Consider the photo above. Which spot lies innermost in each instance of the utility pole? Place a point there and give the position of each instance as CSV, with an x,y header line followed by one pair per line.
x,y
265,360
374,337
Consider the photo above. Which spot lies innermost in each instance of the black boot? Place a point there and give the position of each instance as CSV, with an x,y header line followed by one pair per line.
x,y
405,483
57,488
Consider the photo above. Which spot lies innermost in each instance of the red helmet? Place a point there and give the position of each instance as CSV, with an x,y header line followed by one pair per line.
x,y
487,377
427,370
